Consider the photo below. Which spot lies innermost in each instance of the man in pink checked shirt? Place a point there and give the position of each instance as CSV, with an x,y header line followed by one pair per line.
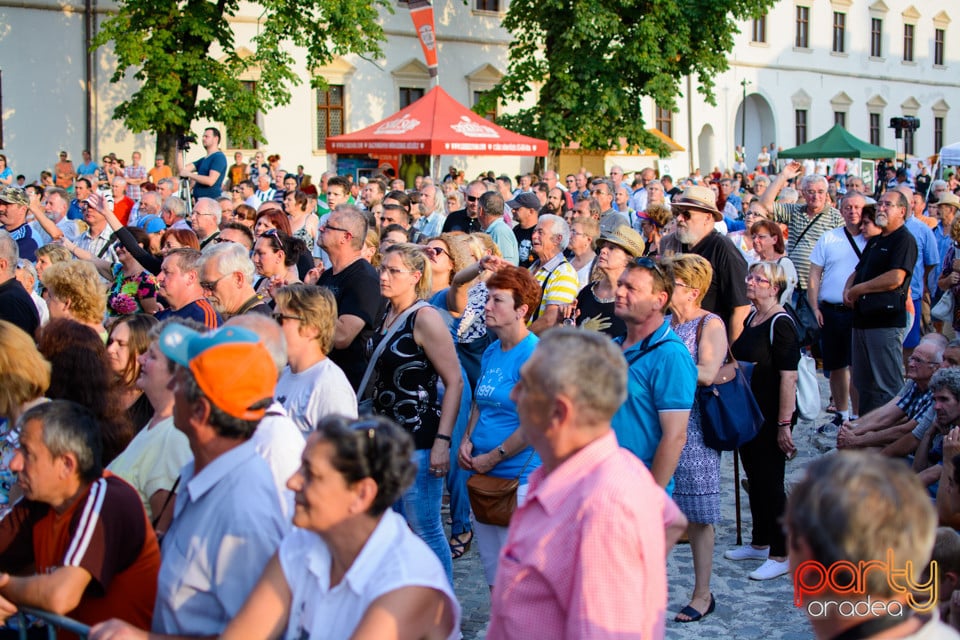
x,y
585,556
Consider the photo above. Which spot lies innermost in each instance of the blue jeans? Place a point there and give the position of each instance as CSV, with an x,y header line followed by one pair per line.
x,y
457,478
420,505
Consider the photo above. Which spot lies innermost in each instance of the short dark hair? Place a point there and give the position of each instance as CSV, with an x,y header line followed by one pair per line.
x,y
492,203
214,131
69,427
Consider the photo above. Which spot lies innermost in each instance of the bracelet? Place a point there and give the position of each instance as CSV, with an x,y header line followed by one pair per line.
x,y
784,423
441,436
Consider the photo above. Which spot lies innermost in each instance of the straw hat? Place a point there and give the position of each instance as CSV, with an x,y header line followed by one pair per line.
x,y
699,198
625,238
949,198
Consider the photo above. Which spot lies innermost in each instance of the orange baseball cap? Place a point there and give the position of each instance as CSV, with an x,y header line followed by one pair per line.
x,y
231,366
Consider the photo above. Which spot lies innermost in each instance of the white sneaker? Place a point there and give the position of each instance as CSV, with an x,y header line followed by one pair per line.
x,y
771,569
746,552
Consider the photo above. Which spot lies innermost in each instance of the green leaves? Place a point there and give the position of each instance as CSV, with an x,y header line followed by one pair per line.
x,y
166,46
595,61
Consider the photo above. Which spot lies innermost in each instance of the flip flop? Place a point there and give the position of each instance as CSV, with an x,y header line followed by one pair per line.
x,y
695,615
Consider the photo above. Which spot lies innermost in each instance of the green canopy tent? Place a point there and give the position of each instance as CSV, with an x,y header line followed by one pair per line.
x,y
837,143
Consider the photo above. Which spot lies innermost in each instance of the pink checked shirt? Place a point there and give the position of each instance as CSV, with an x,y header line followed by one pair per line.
x,y
585,556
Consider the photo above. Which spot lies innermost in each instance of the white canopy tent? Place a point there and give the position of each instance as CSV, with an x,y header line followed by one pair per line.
x,y
950,155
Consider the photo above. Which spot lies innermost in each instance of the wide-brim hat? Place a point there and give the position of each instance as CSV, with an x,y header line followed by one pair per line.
x,y
625,238
949,198
699,198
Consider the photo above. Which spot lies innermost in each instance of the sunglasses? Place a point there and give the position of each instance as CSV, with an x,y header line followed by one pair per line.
x,y
472,198
436,251
653,267
280,317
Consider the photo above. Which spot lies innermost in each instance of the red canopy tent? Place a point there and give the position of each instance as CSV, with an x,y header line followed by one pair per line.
x,y
436,125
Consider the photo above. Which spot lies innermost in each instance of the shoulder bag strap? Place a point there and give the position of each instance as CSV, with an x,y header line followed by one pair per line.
x,y
543,290
807,228
853,243
361,390
526,464
170,496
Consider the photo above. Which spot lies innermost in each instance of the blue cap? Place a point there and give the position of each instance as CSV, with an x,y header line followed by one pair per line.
x,y
152,224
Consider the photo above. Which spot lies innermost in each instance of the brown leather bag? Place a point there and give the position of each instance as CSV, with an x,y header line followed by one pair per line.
x,y
494,500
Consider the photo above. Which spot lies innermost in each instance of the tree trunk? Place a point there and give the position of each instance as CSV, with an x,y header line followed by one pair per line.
x,y
167,147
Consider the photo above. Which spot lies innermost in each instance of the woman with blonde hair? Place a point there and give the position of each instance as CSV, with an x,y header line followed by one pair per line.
x,y
448,254
416,355
24,379
74,292
50,254
697,478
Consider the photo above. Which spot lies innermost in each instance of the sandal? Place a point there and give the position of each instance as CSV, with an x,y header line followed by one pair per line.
x,y
458,546
693,615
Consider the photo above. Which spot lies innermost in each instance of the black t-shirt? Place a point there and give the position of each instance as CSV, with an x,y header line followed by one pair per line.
x,y
16,306
525,245
460,221
922,182
592,311
727,288
357,291
783,354
884,253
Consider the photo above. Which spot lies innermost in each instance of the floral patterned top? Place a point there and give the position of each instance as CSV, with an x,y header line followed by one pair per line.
x,y
127,292
9,441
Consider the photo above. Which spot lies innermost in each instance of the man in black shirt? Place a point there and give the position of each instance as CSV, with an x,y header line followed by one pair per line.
x,y
467,220
356,287
525,209
696,211
877,291
16,306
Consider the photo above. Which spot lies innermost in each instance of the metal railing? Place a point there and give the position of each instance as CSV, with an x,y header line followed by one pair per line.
x,y
53,621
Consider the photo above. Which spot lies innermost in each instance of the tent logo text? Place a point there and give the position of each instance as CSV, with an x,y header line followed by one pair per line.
x,y
473,129
398,126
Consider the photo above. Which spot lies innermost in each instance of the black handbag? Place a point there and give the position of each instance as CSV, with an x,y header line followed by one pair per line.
x,y
885,302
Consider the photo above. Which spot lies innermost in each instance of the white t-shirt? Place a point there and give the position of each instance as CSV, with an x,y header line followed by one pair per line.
x,y
392,558
838,259
280,443
153,459
317,392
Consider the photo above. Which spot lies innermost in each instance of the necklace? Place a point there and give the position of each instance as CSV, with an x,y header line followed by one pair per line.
x,y
392,315
763,315
598,297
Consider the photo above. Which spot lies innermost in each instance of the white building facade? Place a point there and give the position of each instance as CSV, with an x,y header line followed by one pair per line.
x,y
803,67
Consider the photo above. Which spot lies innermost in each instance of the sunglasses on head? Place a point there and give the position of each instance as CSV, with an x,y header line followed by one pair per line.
x,y
651,266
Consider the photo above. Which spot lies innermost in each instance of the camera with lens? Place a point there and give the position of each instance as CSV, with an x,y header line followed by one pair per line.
x,y
184,140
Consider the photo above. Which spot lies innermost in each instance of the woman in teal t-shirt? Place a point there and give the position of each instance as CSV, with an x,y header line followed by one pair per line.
x,y
493,444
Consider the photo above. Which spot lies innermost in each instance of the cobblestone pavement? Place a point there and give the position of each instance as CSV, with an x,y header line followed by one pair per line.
x,y
746,609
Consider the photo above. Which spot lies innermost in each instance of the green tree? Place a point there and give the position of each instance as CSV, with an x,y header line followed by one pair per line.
x,y
176,50
594,61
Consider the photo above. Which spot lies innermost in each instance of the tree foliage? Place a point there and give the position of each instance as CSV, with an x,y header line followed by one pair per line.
x,y
184,59
595,61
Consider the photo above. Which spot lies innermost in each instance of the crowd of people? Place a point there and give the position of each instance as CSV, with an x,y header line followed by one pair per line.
x,y
238,407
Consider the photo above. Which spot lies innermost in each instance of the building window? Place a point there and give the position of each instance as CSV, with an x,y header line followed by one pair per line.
x,y
937,134
876,33
488,5
803,27
760,29
908,42
908,141
247,142
489,115
939,35
665,121
840,118
875,129
800,118
329,113
1,109
839,31
409,95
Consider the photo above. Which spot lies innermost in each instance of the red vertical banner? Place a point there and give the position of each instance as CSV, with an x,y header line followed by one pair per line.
x,y
421,12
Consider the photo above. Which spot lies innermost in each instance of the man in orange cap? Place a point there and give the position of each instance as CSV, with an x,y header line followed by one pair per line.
x,y
227,520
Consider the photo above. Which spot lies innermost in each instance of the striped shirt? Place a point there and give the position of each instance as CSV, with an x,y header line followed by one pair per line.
x,y
796,218
558,280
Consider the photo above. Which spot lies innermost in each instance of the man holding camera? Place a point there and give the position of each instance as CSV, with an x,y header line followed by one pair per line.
x,y
206,175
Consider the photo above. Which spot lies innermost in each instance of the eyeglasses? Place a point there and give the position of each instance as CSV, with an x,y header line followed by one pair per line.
x,y
237,191
761,236
436,251
210,286
599,192
677,283
753,278
280,317
221,239
393,271
883,204
333,228
916,360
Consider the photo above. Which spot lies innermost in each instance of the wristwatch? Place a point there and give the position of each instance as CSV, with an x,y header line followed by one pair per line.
x,y
501,451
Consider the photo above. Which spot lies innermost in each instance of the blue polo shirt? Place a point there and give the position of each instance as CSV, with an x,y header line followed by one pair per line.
x,y
661,378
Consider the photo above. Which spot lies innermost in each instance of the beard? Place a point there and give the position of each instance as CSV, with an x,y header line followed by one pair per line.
x,y
881,220
687,236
